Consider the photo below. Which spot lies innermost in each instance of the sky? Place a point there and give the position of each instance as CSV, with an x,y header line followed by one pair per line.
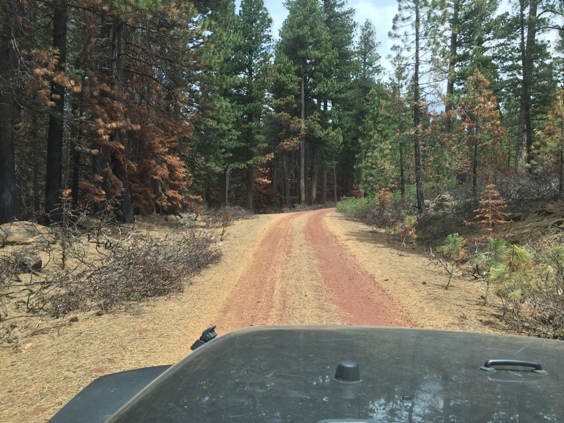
x,y
380,12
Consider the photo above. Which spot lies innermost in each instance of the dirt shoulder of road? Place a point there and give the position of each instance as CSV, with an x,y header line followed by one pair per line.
x,y
63,356
414,283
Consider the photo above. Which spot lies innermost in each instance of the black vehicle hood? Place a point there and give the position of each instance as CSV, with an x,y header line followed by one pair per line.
x,y
287,374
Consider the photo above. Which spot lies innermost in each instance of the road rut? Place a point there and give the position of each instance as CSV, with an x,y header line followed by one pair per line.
x,y
299,272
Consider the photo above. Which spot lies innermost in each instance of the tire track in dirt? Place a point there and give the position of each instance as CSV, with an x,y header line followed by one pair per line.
x,y
299,273
278,284
251,301
357,293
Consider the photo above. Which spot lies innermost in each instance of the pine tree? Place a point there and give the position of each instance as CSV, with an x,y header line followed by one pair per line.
x,y
133,117
9,14
305,41
283,127
367,58
470,26
491,213
54,175
528,71
481,127
377,161
253,57
552,149
398,116
336,99
417,19
366,69
217,134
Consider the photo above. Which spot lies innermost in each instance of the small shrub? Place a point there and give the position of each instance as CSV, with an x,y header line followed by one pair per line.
x,y
357,208
513,281
380,211
490,214
453,252
224,216
385,198
407,231
434,227
495,251
545,314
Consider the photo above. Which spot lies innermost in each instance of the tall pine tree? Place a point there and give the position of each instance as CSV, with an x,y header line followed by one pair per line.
x,y
253,56
305,41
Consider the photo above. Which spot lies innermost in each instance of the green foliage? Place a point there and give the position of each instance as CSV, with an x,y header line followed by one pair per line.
x,y
377,159
494,256
550,142
470,23
453,250
131,5
410,221
304,39
356,208
452,247
546,311
202,96
530,283
512,280
528,84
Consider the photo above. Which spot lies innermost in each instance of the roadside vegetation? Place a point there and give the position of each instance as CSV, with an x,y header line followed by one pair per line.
x,y
87,264
525,275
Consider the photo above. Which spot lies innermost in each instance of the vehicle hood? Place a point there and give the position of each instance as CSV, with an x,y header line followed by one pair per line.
x,y
287,374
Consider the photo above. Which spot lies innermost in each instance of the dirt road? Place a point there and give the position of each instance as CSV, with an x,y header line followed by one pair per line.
x,y
300,272
313,267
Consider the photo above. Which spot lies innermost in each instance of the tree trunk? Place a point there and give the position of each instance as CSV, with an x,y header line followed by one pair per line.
x,y
54,175
334,181
528,76
361,174
275,198
520,149
402,168
302,144
120,171
475,166
324,186
75,178
119,161
225,187
561,179
314,175
77,135
102,67
35,158
8,184
451,65
527,45
250,177
286,181
416,117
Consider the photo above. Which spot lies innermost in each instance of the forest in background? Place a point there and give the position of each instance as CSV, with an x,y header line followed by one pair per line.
x,y
154,106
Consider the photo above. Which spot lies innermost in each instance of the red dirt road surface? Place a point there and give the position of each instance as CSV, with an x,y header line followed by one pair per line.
x,y
299,272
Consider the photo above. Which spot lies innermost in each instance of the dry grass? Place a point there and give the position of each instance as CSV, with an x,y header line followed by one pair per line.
x,y
51,360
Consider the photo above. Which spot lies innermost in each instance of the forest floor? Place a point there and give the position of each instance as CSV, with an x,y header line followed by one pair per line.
x,y
312,267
